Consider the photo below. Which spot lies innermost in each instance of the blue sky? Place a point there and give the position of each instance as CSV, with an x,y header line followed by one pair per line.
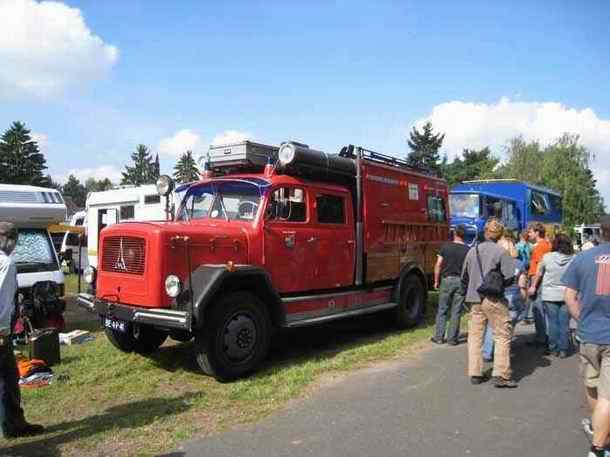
x,y
325,73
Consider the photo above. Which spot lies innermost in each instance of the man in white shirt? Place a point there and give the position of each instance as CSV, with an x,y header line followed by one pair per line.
x,y
13,421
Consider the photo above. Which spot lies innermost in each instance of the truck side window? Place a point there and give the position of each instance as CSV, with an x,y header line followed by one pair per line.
x,y
539,203
127,212
330,209
436,209
287,204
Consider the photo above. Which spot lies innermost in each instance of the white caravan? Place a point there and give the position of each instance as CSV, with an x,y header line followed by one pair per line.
x,y
72,243
586,233
32,210
124,204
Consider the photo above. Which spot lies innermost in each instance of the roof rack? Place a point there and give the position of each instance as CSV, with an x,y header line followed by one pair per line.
x,y
377,157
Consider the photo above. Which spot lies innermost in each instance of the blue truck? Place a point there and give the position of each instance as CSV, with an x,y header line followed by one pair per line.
x,y
515,203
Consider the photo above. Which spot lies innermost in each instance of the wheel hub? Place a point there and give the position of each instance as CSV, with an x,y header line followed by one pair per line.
x,y
239,337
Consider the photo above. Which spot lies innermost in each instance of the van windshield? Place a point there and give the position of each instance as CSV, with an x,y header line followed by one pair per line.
x,y
34,251
228,200
464,205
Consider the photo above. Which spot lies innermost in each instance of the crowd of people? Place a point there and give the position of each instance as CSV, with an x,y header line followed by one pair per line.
x,y
537,279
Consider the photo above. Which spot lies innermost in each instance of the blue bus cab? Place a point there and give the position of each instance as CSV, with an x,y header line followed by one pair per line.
x,y
517,204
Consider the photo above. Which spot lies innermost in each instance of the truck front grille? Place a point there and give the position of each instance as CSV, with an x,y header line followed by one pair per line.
x,y
124,254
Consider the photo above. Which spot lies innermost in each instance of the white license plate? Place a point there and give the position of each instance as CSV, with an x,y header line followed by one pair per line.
x,y
113,324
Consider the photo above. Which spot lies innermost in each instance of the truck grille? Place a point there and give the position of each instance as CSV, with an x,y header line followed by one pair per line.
x,y
124,254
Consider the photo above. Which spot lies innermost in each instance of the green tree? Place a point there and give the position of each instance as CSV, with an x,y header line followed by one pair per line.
x,y
94,185
474,164
424,148
186,168
143,170
21,162
74,189
563,166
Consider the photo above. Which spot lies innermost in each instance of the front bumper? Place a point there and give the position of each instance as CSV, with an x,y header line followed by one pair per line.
x,y
159,317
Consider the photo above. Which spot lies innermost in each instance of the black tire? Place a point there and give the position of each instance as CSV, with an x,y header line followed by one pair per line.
x,y
142,339
235,338
412,303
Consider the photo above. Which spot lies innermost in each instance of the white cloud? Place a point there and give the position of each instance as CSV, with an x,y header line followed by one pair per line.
x,y
231,136
476,125
181,142
46,46
104,171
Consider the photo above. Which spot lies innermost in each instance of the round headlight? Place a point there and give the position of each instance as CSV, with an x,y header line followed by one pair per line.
x,y
89,275
286,154
165,185
173,287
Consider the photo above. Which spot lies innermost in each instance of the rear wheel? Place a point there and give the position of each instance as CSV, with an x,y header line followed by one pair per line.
x,y
142,339
412,303
235,338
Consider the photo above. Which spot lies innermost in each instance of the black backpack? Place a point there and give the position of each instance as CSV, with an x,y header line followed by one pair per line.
x,y
493,281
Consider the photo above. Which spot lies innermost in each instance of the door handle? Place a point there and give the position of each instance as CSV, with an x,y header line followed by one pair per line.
x,y
349,242
312,239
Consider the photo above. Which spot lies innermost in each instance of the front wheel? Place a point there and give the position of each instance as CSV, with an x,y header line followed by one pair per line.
x,y
235,338
412,304
142,339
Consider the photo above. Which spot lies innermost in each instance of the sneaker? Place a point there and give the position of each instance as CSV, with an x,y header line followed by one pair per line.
x,y
476,380
505,383
587,427
452,343
597,452
24,430
436,340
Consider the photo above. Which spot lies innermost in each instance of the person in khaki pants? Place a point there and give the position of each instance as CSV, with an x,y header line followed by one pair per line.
x,y
480,260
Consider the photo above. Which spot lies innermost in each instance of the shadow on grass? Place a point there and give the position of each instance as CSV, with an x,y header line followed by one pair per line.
x,y
293,347
126,416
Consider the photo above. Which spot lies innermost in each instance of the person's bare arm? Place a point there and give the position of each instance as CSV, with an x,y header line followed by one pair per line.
x,y
571,299
437,271
522,283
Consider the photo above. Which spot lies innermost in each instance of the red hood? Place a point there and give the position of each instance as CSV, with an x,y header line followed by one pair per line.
x,y
136,257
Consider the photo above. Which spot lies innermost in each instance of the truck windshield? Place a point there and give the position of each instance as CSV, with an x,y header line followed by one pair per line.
x,y
464,205
229,200
34,251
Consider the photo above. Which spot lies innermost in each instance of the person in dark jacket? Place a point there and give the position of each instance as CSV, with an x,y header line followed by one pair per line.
x,y
480,260
13,421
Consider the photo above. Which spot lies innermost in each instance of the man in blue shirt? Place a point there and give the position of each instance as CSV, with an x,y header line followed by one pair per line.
x,y
587,294
12,419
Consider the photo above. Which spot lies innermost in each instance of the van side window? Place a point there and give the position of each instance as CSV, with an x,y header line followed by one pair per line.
x,y
539,204
287,204
127,212
436,209
330,209
152,199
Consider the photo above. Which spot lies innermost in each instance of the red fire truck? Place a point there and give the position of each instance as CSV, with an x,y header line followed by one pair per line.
x,y
269,238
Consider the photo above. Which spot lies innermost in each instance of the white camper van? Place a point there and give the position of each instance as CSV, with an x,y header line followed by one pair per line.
x,y
124,204
41,282
72,243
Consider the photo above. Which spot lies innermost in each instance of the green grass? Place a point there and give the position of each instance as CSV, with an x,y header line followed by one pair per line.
x,y
104,402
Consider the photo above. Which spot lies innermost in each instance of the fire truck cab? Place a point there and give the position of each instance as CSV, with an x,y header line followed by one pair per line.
x,y
271,237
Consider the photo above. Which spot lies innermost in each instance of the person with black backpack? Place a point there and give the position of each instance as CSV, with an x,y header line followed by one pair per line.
x,y
487,270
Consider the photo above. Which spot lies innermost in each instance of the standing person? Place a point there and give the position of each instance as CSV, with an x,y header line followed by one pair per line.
x,y
542,246
447,272
550,271
587,295
524,248
14,423
481,260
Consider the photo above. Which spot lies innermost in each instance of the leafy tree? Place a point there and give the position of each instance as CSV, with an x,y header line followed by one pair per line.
x,y
563,166
143,170
20,159
424,148
157,167
186,168
474,164
93,185
74,189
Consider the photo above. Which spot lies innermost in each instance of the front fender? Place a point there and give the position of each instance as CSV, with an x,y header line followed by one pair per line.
x,y
208,281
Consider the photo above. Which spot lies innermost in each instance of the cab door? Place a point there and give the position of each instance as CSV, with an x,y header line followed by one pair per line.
x,y
289,240
335,243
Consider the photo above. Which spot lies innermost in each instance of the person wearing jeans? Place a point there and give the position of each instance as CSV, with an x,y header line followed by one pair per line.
x,y
451,299
558,327
537,233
